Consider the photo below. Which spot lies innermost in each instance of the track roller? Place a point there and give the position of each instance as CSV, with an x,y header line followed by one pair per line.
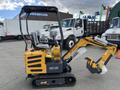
x,y
70,80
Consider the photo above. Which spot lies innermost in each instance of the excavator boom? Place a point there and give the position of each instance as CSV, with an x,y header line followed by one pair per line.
x,y
94,66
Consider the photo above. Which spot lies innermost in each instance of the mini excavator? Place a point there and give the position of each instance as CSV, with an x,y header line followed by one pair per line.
x,y
47,66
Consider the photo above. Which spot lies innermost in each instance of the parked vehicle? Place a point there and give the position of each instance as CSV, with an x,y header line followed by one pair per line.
x,y
113,33
73,28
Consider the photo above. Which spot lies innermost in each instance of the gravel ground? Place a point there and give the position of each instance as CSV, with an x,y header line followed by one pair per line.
x,y
12,75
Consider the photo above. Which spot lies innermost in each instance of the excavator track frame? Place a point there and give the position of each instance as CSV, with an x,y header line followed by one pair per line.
x,y
54,80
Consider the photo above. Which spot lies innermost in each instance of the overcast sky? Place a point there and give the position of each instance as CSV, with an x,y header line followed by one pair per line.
x,y
10,8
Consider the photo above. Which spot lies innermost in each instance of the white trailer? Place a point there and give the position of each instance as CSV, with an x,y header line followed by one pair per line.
x,y
10,28
1,31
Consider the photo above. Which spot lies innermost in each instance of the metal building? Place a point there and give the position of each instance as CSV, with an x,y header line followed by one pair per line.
x,y
115,11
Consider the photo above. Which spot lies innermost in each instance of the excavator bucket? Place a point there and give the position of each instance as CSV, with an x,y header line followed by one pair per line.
x,y
93,67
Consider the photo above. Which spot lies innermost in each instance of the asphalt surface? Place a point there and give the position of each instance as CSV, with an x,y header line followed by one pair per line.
x,y
12,75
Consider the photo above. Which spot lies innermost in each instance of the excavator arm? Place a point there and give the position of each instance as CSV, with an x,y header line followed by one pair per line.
x,y
94,66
